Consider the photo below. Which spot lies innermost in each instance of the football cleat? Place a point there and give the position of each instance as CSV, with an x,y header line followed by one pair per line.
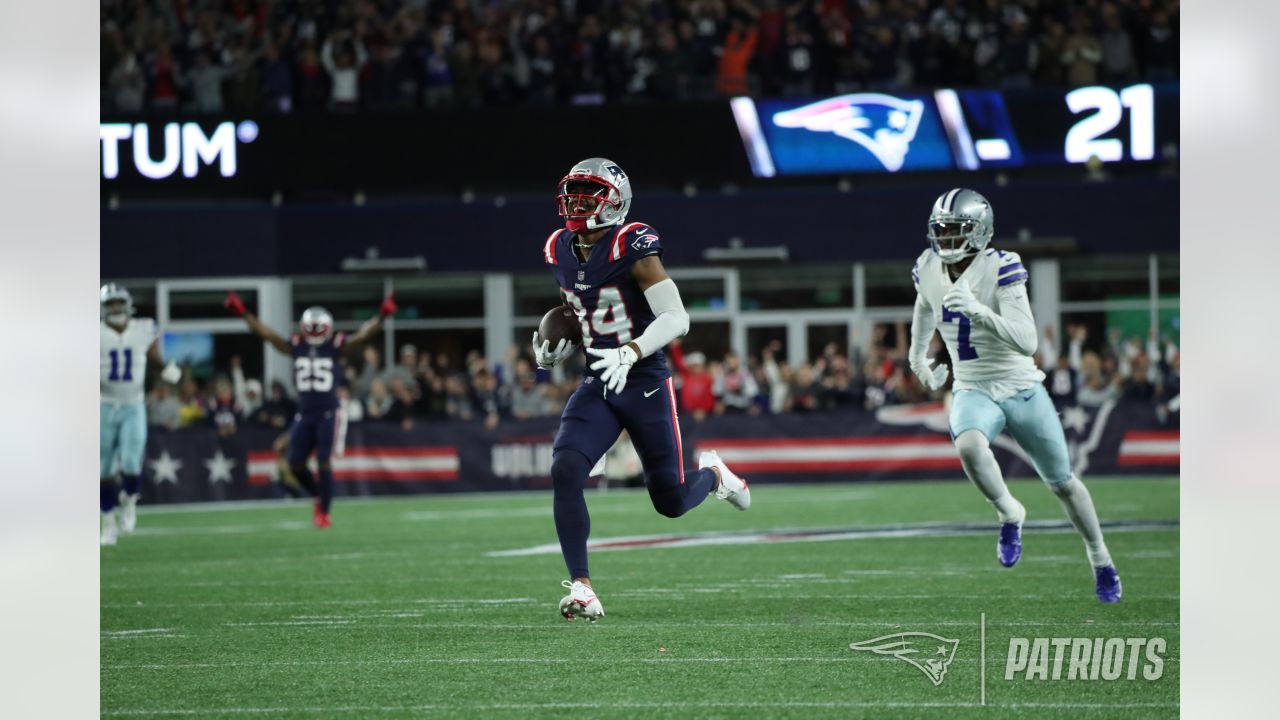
x,y
1108,587
128,512
1009,546
321,518
580,602
108,536
732,488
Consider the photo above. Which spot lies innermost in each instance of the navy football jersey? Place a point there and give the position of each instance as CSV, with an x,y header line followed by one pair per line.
x,y
317,373
608,301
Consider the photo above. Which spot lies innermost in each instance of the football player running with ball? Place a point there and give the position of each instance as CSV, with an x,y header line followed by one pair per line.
x,y
611,274
976,297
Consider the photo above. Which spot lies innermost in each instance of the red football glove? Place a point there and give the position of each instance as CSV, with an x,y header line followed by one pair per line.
x,y
233,303
388,307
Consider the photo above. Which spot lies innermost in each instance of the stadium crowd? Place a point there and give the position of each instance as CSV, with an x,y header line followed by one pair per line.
x,y
420,386
348,55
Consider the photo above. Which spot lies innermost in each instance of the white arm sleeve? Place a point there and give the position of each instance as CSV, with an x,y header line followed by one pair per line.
x,y
672,320
1014,323
922,327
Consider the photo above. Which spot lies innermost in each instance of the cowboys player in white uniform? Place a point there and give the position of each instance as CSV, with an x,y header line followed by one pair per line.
x,y
127,344
976,298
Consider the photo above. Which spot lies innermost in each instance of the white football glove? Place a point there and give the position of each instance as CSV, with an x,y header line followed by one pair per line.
x,y
960,299
616,363
545,356
171,373
932,379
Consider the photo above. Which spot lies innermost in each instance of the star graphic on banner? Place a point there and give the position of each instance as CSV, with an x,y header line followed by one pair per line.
x,y
165,468
1075,418
219,468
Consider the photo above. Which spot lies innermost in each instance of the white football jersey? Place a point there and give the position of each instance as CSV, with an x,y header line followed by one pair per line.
x,y
124,360
979,359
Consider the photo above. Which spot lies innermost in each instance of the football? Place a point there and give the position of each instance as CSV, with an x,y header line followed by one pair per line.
x,y
559,323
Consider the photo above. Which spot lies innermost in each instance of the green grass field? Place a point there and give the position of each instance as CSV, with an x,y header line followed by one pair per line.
x,y
398,611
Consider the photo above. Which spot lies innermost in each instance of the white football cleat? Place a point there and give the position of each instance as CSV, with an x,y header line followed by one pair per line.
x,y
128,512
108,536
732,488
580,602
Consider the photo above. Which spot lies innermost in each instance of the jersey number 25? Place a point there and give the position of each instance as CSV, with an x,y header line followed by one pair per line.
x,y
313,374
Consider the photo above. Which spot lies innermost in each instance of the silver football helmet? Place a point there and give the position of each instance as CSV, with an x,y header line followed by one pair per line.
x,y
316,325
961,225
595,194
116,304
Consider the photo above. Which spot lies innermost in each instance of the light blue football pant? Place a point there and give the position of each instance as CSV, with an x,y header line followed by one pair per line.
x,y
1032,420
122,431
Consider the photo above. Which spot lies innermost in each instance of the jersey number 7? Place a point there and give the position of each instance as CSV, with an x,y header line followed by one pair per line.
x,y
967,351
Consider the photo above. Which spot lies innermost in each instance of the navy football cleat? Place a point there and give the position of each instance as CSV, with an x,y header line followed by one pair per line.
x,y
1108,583
1009,546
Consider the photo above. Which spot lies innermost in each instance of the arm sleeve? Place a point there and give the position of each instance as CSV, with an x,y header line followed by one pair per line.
x,y
1014,323
672,320
922,327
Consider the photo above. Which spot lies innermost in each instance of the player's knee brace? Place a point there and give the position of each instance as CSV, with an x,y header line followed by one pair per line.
x,y
569,470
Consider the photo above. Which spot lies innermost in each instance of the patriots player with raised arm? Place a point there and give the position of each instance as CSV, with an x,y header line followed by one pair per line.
x,y
976,297
127,345
316,352
610,272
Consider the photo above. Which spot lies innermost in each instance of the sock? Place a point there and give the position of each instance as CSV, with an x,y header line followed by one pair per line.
x,y
326,487
1078,504
132,484
569,470
108,496
983,470
305,479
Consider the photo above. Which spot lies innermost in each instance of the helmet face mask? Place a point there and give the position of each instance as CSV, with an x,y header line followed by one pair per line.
x,y
316,325
116,305
595,194
960,226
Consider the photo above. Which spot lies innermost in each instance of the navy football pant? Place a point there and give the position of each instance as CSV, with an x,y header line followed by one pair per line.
x,y
589,426
314,432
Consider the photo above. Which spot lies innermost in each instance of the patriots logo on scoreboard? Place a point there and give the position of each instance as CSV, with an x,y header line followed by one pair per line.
x,y
883,124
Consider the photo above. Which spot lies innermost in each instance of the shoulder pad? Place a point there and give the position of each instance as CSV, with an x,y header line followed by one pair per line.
x,y
549,247
634,241
1009,268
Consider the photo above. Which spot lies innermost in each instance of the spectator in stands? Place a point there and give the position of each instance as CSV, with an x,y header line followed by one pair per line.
x,y
1118,63
778,378
352,409
402,400
526,398
697,397
277,412
190,409
164,78
248,393
223,408
163,409
806,392
343,56
205,80
485,391
734,387
406,371
370,370
1082,53
127,86
1161,49
244,87
739,46
277,79
1018,57
457,400
378,402
1062,383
